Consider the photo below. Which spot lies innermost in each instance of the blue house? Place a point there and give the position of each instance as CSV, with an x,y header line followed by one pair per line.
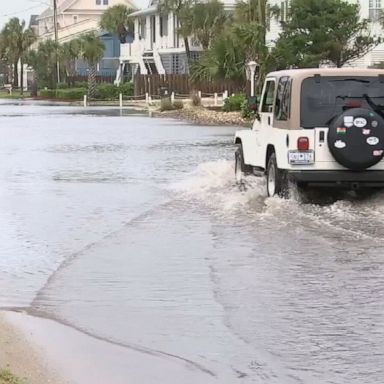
x,y
109,64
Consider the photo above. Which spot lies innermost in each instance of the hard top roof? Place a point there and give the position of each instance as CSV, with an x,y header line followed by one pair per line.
x,y
304,73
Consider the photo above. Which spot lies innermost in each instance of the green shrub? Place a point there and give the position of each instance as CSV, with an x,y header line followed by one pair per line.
x,y
107,92
62,86
6,377
71,93
64,94
104,91
166,105
178,104
127,89
246,112
233,103
81,84
111,92
48,93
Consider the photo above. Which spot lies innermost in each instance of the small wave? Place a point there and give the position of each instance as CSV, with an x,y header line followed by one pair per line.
x,y
214,184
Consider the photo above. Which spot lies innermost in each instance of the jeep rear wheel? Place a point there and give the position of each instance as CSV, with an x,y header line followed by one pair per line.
x,y
276,179
240,168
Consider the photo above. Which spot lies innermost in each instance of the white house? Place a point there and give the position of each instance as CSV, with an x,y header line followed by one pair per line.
x,y
158,48
75,17
371,10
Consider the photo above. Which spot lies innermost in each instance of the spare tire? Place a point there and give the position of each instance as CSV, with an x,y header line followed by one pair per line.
x,y
356,138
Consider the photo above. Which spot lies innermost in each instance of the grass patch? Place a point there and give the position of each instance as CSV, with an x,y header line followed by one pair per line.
x,y
7,377
15,95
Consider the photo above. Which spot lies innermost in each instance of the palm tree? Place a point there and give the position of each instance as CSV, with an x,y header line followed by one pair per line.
x,y
92,50
43,62
207,21
17,40
27,39
224,60
116,21
69,52
245,40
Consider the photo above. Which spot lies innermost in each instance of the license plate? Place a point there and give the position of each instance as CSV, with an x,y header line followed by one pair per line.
x,y
300,157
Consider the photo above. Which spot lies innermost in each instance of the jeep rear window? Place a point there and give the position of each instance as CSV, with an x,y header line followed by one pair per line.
x,y
326,97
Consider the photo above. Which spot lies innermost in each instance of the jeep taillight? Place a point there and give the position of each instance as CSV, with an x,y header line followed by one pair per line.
x,y
303,143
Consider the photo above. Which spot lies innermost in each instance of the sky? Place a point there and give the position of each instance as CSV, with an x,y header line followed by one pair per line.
x,y
23,9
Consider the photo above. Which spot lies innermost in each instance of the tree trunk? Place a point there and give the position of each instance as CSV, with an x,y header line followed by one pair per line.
x,y
16,74
34,88
187,51
92,82
21,77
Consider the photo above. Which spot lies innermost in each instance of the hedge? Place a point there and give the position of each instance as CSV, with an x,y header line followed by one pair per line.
x,y
103,92
64,94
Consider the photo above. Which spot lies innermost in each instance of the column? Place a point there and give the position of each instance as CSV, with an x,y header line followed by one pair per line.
x,y
171,32
159,39
148,37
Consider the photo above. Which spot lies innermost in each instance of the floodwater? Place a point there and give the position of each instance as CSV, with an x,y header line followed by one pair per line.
x,y
132,231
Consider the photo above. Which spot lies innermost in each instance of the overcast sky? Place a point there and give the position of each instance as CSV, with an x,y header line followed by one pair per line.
x,y
23,9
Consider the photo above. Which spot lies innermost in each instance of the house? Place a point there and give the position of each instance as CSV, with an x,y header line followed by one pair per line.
x,y
159,49
76,17
371,10
33,24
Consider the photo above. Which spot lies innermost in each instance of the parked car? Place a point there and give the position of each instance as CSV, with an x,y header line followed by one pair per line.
x,y
319,127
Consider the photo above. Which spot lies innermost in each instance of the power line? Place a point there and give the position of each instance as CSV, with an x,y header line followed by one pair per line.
x,y
19,12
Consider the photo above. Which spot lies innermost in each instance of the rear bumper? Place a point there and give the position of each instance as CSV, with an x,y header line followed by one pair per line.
x,y
347,179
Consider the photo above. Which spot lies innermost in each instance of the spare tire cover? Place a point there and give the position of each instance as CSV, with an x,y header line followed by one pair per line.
x,y
356,138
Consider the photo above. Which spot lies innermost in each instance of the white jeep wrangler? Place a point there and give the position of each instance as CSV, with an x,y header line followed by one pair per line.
x,y
320,127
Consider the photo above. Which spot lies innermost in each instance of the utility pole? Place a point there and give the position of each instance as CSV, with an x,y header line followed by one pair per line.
x,y
56,39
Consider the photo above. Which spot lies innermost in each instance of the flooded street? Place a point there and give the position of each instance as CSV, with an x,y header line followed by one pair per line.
x,y
132,231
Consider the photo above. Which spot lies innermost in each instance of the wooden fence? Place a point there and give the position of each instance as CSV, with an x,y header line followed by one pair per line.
x,y
181,85
99,79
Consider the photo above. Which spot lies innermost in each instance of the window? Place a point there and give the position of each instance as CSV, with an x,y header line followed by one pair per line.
x,y
325,98
142,28
75,19
153,28
269,93
105,2
283,99
164,25
374,10
98,2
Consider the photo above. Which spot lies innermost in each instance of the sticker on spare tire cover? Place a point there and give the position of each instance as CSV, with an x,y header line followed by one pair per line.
x,y
341,130
348,121
360,122
373,140
378,153
366,132
340,144
374,123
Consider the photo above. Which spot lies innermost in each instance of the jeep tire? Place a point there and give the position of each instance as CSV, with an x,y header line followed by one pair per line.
x,y
240,168
276,179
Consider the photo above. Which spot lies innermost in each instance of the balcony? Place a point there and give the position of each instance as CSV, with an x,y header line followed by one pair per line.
x,y
132,51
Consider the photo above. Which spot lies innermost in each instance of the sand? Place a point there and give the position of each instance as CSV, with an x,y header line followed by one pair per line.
x,y
23,359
